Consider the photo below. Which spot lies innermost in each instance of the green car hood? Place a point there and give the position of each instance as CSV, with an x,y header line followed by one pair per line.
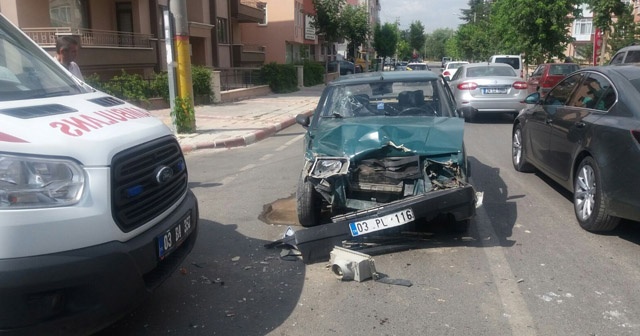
x,y
356,137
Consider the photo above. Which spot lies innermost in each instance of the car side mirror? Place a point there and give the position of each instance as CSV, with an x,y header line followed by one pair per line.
x,y
303,120
533,98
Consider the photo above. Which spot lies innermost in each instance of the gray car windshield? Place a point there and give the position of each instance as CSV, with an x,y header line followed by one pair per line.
x,y
491,71
392,99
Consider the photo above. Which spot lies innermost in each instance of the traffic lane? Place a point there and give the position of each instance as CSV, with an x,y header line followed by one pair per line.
x,y
573,281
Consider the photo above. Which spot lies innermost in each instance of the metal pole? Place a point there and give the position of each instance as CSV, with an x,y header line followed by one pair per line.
x,y
185,84
168,34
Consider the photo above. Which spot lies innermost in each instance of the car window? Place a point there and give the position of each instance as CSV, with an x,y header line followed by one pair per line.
x,y
633,56
595,92
538,71
457,75
490,71
562,69
617,59
513,62
561,92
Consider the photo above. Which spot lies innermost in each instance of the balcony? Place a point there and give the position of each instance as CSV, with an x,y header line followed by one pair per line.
x,y
46,37
248,55
103,51
246,11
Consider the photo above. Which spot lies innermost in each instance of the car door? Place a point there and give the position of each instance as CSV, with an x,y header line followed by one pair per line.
x,y
592,97
534,79
539,119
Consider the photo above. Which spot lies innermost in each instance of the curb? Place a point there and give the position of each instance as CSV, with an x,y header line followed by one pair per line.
x,y
243,141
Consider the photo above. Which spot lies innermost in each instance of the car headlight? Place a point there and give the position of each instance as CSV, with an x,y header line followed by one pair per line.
x,y
35,182
328,166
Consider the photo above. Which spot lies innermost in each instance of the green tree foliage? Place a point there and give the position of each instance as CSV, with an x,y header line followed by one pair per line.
x,y
327,21
404,50
385,39
475,40
603,12
416,36
624,31
435,43
355,27
539,29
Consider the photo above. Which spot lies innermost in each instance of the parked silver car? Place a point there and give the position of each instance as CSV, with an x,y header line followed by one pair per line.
x,y
481,88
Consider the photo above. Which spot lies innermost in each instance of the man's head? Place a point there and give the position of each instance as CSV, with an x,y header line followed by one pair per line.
x,y
66,49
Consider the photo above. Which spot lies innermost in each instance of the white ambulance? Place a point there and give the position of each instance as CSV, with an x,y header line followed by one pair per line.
x,y
95,208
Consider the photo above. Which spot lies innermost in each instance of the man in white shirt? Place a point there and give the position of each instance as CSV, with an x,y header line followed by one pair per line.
x,y
66,53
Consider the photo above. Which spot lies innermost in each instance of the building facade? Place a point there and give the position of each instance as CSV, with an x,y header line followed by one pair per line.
x,y
116,35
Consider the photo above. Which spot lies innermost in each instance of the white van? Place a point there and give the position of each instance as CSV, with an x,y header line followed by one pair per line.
x,y
515,61
95,209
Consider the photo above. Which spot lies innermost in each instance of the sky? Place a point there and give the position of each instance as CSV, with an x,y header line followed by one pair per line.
x,y
433,14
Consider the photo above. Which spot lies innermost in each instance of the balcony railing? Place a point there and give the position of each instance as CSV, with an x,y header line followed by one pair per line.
x,y
46,37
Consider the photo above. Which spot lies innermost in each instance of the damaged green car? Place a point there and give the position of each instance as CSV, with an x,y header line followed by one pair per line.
x,y
383,150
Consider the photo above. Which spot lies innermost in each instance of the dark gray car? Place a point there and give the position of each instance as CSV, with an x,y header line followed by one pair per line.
x,y
585,135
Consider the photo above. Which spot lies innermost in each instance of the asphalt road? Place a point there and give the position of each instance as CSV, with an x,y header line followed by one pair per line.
x,y
524,268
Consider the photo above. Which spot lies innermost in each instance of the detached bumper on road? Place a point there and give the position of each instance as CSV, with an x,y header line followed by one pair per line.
x,y
316,243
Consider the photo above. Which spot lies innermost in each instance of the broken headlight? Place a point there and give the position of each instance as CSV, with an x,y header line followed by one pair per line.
x,y
328,166
35,182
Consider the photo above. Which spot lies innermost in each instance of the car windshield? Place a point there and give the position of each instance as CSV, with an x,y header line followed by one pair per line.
x,y
562,69
513,62
388,99
491,71
26,73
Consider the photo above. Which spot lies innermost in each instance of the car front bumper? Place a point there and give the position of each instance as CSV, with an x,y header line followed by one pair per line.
x,y
316,243
78,292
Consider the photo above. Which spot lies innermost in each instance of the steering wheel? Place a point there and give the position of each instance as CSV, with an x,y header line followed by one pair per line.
x,y
426,110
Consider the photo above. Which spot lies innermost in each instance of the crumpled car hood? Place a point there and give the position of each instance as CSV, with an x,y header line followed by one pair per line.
x,y
356,137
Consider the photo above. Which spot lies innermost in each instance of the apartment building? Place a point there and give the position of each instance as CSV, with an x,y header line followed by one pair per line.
x,y
288,36
118,35
286,32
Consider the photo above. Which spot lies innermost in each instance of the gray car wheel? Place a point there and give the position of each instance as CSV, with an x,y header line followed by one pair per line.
x,y
517,152
309,203
589,202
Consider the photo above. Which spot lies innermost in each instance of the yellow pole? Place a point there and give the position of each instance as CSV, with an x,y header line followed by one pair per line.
x,y
185,86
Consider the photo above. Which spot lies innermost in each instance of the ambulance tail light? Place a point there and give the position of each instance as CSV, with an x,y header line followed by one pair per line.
x,y
28,182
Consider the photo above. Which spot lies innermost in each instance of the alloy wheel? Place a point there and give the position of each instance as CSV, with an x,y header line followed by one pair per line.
x,y
516,147
585,192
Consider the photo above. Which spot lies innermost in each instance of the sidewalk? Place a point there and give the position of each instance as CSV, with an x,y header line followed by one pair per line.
x,y
244,122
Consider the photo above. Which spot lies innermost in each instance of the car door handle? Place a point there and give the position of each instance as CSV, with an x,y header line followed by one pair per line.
x,y
580,124
548,121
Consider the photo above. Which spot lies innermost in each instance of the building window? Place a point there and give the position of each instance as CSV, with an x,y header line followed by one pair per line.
x,y
222,29
582,27
69,13
263,6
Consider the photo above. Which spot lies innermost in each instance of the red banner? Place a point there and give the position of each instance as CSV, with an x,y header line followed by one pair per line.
x,y
597,45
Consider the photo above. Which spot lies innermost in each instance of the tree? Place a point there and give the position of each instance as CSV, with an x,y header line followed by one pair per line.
x,y
616,34
328,23
436,41
385,39
624,31
416,36
539,29
356,29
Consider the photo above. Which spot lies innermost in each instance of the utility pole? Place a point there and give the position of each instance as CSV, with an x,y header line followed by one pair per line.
x,y
178,9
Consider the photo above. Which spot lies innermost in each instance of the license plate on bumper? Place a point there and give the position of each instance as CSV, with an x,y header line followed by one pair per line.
x,y
172,238
380,223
